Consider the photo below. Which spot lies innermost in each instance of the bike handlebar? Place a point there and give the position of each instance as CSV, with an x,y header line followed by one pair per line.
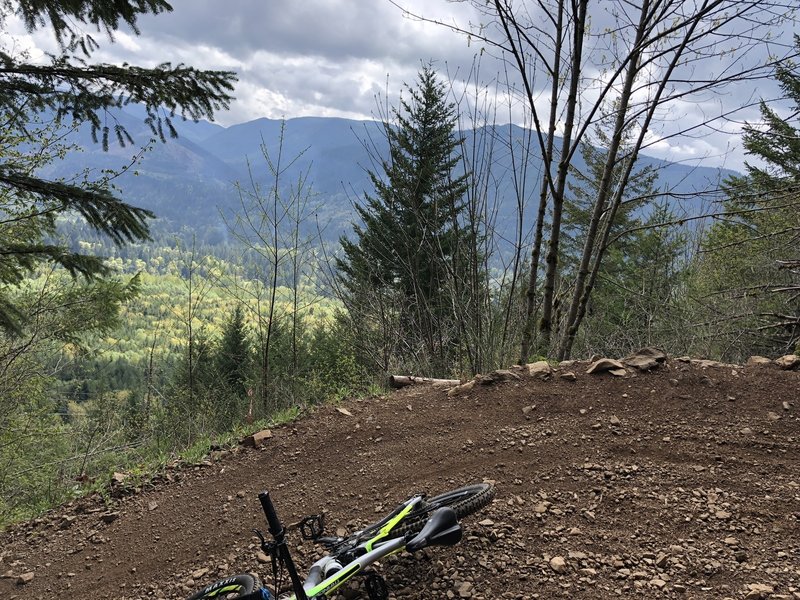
x,y
275,526
277,531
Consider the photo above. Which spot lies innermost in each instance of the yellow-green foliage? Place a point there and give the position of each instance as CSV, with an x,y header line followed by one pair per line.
x,y
157,317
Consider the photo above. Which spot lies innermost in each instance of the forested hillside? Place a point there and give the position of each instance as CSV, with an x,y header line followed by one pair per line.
x,y
158,297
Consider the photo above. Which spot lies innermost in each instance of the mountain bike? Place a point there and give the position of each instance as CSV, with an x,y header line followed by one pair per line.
x,y
415,524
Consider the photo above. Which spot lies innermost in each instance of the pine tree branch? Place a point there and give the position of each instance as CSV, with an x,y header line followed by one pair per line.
x,y
27,256
79,91
102,211
106,15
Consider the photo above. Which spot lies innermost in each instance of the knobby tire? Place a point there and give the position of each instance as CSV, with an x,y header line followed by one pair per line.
x,y
240,586
464,501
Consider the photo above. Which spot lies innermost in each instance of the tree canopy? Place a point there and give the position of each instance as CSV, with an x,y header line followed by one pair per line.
x,y
66,89
749,269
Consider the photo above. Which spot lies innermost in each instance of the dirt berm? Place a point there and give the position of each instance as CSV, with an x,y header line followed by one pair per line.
x,y
680,483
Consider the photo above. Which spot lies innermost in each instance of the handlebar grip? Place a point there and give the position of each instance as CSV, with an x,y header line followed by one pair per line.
x,y
275,526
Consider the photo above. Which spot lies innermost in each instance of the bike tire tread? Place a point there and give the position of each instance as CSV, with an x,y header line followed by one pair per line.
x,y
482,494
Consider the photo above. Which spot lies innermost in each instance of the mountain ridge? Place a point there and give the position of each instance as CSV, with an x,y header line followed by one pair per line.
x,y
191,181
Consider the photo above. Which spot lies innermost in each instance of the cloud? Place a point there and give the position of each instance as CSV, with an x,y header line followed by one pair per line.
x,y
330,29
322,57
335,57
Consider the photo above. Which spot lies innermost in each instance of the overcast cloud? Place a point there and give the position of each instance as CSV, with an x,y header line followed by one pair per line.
x,y
320,57
334,57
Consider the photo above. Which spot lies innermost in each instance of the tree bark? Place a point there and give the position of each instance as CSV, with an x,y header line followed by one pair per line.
x,y
401,381
547,183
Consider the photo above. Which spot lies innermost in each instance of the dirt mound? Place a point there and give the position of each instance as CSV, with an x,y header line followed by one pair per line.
x,y
683,482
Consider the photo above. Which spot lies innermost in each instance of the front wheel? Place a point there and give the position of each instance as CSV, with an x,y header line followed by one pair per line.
x,y
237,586
464,501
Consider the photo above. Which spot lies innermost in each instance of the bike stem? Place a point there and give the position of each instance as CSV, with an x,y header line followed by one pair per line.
x,y
278,532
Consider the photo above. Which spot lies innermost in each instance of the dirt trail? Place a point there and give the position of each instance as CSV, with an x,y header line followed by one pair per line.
x,y
681,483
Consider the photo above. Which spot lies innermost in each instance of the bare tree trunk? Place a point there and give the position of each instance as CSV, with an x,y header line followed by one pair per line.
x,y
583,287
151,371
516,36
268,224
605,184
546,185
196,293
546,323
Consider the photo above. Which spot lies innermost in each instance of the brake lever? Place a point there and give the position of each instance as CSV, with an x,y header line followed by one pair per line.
x,y
260,537
267,547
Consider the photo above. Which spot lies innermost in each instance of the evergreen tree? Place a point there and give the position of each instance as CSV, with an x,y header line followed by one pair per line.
x,y
631,305
408,245
746,269
72,89
775,142
232,355
584,188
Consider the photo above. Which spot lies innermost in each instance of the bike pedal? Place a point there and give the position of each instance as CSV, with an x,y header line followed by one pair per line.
x,y
312,528
376,587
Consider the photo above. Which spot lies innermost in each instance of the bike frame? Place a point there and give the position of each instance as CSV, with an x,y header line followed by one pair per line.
x,y
375,549
313,587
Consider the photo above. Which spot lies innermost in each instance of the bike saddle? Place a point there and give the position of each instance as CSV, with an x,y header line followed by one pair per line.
x,y
442,529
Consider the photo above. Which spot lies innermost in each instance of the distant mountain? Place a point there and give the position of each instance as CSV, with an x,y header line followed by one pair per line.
x,y
192,181
330,149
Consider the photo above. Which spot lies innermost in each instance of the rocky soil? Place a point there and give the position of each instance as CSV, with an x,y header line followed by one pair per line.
x,y
683,482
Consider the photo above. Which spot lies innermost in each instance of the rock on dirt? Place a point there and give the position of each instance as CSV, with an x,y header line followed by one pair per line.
x,y
609,365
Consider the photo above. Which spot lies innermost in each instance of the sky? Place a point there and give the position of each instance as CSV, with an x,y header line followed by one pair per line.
x,y
345,58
